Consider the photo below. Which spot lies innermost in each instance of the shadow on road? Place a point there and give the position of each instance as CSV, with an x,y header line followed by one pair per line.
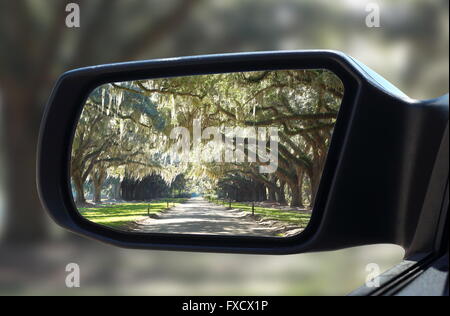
x,y
198,216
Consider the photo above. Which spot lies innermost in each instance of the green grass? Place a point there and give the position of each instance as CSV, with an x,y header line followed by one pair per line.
x,y
121,215
296,218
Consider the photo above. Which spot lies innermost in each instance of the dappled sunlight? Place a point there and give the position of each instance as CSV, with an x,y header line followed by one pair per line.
x,y
123,214
198,216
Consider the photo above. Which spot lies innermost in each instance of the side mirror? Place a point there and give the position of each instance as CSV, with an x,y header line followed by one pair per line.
x,y
270,153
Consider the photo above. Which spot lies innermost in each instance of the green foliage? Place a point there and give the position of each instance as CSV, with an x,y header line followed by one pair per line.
x,y
125,127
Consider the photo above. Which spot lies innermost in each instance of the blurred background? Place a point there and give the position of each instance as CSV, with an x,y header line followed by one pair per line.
x,y
410,49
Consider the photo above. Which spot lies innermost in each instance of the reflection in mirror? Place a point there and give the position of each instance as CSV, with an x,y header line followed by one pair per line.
x,y
223,154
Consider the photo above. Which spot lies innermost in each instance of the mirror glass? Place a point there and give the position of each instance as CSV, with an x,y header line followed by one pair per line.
x,y
222,154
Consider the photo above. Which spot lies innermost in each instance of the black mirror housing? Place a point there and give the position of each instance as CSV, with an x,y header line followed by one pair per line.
x,y
382,140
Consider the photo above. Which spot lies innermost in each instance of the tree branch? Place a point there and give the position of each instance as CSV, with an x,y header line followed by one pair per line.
x,y
296,117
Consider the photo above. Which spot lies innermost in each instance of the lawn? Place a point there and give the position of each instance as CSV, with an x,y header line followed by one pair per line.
x,y
123,214
296,218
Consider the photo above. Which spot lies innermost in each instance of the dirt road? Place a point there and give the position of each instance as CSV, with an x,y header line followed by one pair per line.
x,y
198,216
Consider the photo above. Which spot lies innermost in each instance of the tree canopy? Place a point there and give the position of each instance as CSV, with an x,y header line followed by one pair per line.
x,y
125,132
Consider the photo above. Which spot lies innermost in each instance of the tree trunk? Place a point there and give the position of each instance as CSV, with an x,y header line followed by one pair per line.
x,y
295,195
97,193
24,218
116,191
320,153
272,194
280,197
300,174
262,192
79,190
98,178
